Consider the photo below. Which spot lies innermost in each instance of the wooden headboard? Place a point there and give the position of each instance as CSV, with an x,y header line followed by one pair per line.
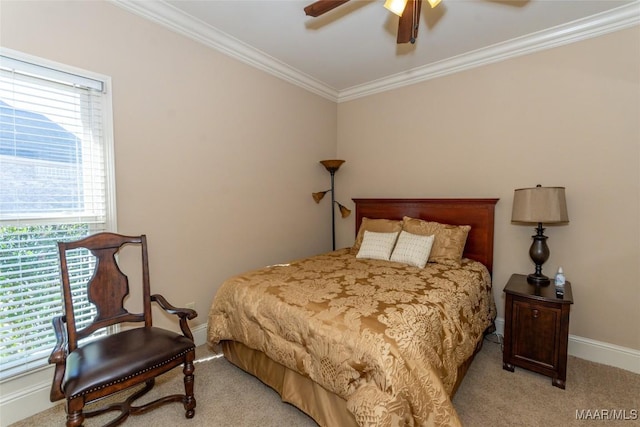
x,y
478,213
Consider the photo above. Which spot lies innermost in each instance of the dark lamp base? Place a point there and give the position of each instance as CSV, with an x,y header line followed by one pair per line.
x,y
538,279
539,253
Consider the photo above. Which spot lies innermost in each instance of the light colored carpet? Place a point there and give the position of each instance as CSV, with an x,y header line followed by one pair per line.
x,y
489,396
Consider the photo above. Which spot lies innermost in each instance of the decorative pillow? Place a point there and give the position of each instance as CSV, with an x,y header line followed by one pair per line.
x,y
449,241
412,249
377,225
377,245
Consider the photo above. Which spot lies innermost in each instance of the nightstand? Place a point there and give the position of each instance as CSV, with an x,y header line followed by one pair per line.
x,y
536,328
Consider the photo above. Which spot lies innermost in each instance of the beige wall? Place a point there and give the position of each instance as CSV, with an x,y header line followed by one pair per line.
x,y
215,160
569,117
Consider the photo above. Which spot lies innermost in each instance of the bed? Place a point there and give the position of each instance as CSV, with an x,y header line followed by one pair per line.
x,y
354,341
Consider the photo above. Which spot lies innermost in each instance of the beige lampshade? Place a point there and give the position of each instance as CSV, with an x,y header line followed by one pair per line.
x,y
540,205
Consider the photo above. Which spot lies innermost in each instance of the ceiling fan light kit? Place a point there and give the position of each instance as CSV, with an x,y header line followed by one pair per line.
x,y
395,6
407,25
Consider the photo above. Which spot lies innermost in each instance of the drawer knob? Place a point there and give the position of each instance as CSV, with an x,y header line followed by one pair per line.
x,y
536,313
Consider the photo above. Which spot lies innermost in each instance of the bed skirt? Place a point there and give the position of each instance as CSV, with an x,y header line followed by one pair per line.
x,y
326,408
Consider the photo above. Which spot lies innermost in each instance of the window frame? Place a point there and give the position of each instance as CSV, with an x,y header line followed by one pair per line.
x,y
110,221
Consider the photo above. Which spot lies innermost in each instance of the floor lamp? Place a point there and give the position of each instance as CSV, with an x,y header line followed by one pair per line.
x,y
332,166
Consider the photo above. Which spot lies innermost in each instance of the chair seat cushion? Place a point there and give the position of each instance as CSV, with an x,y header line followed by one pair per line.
x,y
119,357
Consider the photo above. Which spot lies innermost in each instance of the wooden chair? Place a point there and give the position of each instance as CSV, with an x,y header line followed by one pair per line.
x,y
113,362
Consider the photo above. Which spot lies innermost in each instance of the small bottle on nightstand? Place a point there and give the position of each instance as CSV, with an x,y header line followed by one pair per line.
x,y
559,281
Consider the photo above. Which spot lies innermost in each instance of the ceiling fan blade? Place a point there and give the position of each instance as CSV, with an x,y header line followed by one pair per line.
x,y
322,6
409,22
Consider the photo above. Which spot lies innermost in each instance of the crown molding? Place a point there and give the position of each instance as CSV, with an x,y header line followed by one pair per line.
x,y
174,19
596,25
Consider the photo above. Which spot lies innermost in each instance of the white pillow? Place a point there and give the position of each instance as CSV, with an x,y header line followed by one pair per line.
x,y
377,245
412,249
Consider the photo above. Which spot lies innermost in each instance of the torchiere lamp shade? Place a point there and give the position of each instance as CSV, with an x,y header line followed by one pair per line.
x,y
539,205
332,165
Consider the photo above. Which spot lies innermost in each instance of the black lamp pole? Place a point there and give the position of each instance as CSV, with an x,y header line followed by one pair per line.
x,y
333,210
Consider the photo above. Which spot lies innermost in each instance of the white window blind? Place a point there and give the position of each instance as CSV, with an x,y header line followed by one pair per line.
x,y
56,183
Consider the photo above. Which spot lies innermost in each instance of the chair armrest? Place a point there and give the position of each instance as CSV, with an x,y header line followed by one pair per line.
x,y
183,313
59,357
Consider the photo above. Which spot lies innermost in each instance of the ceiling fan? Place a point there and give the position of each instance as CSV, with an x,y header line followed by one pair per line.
x,y
407,10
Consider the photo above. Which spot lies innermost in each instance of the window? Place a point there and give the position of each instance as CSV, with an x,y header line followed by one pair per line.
x,y
56,183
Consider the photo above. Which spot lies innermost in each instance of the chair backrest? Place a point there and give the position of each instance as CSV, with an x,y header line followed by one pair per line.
x,y
108,286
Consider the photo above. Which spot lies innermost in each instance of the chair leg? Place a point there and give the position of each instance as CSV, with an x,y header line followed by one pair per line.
x,y
189,399
75,417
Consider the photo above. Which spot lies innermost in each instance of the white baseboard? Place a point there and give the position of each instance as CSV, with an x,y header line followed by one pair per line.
x,y
605,353
597,351
200,334
32,398
30,393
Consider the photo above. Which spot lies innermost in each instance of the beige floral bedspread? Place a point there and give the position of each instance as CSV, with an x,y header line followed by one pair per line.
x,y
386,337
